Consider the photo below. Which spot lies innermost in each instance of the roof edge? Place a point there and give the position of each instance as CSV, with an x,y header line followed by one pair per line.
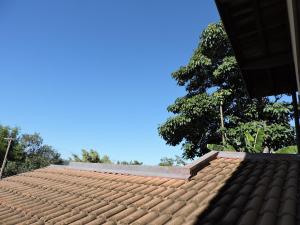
x,y
203,161
175,172
244,155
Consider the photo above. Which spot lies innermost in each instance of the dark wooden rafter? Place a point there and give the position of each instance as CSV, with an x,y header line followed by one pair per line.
x,y
228,29
255,32
268,62
260,27
259,34
293,8
265,38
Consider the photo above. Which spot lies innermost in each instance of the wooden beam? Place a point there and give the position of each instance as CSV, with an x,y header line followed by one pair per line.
x,y
259,24
293,8
269,62
252,33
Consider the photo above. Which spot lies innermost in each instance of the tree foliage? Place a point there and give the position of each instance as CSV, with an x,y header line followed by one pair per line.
x,y
288,150
252,144
91,156
131,162
210,78
27,152
177,161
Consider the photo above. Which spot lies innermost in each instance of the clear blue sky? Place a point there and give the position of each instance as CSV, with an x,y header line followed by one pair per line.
x,y
96,74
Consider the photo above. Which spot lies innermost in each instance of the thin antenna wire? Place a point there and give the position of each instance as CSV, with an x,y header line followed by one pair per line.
x,y
9,139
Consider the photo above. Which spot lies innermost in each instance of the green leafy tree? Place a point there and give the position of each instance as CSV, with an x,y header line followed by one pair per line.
x,y
90,156
131,162
31,143
167,161
253,144
43,157
105,159
94,157
288,150
16,152
27,152
212,78
75,158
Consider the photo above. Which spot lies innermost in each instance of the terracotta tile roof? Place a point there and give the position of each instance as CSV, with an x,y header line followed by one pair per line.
x,y
226,191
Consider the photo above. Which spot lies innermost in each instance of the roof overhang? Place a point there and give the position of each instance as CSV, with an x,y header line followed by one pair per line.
x,y
265,38
293,7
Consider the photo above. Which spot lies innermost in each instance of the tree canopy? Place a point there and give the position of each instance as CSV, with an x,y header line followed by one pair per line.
x,y
93,156
131,162
90,156
212,79
26,153
168,161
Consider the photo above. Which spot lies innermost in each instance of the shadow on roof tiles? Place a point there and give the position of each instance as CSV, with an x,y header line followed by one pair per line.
x,y
257,193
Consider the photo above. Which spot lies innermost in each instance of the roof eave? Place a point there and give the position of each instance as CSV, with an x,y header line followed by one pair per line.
x,y
293,8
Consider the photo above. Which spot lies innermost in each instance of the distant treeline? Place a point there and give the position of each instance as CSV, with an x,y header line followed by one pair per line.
x,y
27,152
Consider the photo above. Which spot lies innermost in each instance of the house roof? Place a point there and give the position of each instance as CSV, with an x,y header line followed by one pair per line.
x,y
230,189
264,36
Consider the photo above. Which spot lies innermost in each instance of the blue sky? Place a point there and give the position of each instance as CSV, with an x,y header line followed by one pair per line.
x,y
96,74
